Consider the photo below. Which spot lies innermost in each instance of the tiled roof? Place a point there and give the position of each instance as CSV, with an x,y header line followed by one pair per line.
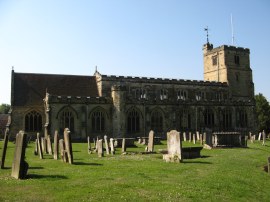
x,y
30,89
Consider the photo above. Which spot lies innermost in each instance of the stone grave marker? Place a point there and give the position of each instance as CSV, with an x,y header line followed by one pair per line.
x,y
88,145
112,146
36,147
19,165
139,140
100,148
63,152
194,138
201,139
184,136
124,145
55,145
259,138
198,135
150,147
189,136
49,144
263,137
40,152
4,150
174,145
106,145
68,145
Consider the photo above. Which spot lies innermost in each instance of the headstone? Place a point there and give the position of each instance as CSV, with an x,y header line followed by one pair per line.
x,y
19,165
123,145
49,144
150,147
259,138
40,152
106,145
112,146
100,148
201,139
89,145
63,152
263,137
68,145
198,135
174,144
189,136
143,141
139,140
204,137
4,150
194,138
36,147
184,136
55,146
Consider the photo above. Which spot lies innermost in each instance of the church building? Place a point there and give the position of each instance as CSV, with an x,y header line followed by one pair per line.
x,y
121,106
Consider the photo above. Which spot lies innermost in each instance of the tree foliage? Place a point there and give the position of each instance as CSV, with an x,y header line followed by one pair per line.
x,y
263,112
4,108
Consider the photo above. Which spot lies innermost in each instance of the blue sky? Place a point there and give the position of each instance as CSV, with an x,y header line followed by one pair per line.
x,y
152,38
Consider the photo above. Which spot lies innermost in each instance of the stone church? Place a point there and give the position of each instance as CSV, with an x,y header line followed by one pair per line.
x,y
121,106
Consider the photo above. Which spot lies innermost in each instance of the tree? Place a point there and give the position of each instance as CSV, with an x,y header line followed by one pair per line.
x,y
263,112
4,108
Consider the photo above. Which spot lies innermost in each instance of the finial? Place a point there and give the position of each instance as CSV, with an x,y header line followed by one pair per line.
x,y
96,68
206,29
12,68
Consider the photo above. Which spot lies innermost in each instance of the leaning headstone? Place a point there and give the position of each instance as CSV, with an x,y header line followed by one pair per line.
x,y
49,144
88,145
263,137
259,138
63,152
100,148
40,152
150,147
174,144
123,145
189,136
19,165
68,145
194,138
55,146
4,150
184,136
112,146
106,145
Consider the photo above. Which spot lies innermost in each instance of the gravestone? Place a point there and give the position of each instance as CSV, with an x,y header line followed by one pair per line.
x,y
139,140
194,138
263,137
49,144
204,137
100,148
150,147
63,152
198,135
189,136
68,145
184,136
36,147
174,145
123,145
201,139
40,152
106,145
55,146
89,145
4,150
259,138
112,146
19,165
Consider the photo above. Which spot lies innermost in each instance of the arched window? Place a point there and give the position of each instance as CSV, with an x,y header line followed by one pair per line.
x,y
67,119
209,118
181,95
33,122
163,94
185,119
98,121
227,119
241,118
133,121
157,121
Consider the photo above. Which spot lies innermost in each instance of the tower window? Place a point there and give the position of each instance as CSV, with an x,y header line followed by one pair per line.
x,y
214,60
236,59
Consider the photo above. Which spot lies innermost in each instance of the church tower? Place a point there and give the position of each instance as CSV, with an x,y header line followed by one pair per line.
x,y
229,64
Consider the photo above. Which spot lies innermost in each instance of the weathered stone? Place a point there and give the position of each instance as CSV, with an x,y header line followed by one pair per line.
x,y
112,146
55,146
174,144
36,147
139,140
68,145
189,136
63,152
19,165
49,144
201,139
194,138
123,145
40,152
198,135
4,150
260,135
100,148
184,136
150,147
106,145
263,137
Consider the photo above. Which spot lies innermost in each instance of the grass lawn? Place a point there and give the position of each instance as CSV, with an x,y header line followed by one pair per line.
x,y
234,174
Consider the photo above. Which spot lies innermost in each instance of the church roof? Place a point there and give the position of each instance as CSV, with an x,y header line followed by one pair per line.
x,y
30,89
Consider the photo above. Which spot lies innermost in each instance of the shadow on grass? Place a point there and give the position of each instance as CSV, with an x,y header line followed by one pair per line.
x,y
5,168
55,177
199,162
37,167
87,164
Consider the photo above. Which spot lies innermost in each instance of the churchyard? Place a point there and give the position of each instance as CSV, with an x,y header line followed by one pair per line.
x,y
227,174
